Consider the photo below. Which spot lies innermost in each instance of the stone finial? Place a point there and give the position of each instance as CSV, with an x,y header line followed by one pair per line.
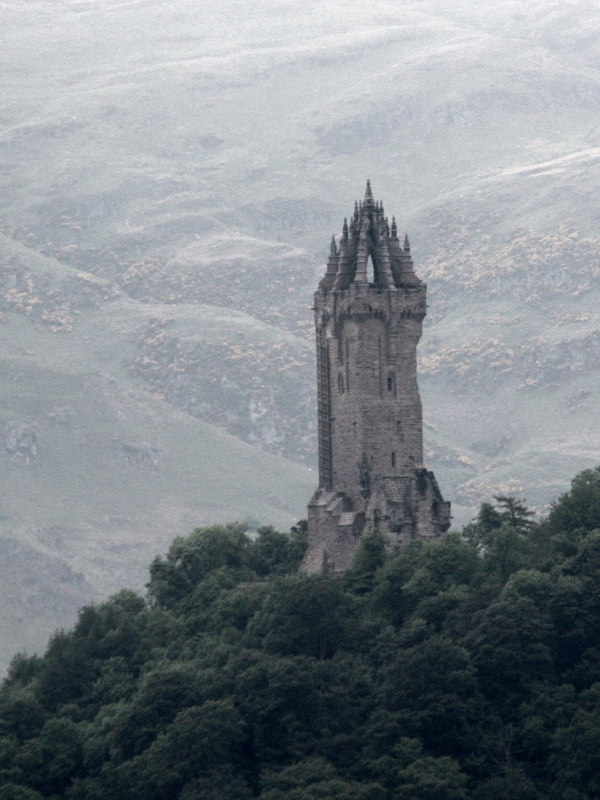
x,y
394,228
345,229
343,276
406,243
368,201
332,266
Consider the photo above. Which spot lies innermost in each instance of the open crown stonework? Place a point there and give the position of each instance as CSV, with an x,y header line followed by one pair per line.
x,y
369,310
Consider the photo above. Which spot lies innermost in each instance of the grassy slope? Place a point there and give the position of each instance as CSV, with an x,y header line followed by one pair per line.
x,y
117,472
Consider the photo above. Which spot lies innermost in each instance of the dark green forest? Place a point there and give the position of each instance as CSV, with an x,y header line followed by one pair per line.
x,y
468,667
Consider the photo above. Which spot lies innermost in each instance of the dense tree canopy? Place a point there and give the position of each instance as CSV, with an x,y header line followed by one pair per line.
x,y
466,668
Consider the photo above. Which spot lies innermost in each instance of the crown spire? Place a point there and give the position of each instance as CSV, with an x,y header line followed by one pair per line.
x,y
367,238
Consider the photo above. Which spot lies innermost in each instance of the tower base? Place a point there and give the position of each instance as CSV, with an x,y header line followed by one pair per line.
x,y
402,508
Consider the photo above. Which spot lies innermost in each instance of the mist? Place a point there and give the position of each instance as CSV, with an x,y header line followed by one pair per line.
x,y
172,175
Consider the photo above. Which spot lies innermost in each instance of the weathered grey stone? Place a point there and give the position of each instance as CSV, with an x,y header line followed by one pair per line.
x,y
369,310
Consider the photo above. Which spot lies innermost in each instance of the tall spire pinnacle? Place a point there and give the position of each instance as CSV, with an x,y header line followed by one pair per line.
x,y
406,243
333,248
368,201
345,229
394,228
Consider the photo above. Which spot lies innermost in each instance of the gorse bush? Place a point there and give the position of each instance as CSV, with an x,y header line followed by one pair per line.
x,y
468,667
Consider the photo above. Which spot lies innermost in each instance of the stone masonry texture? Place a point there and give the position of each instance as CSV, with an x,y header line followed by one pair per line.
x,y
369,311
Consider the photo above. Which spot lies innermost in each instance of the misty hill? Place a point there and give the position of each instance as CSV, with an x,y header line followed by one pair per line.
x,y
171,176
98,472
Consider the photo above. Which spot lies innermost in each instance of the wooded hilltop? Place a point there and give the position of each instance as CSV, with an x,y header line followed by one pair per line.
x,y
468,667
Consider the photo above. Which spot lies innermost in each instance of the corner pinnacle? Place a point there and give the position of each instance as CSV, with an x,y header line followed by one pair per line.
x,y
368,194
406,243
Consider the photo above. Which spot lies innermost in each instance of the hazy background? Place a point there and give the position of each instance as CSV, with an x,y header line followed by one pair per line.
x,y
171,175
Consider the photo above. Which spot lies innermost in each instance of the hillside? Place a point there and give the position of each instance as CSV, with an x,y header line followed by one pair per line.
x,y
466,668
98,472
170,179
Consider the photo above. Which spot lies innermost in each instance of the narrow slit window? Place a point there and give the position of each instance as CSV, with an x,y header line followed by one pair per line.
x,y
341,383
390,383
393,459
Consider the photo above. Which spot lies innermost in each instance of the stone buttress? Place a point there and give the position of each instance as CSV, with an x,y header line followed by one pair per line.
x,y
369,310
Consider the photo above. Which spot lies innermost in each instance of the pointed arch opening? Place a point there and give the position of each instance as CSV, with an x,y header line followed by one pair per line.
x,y
370,270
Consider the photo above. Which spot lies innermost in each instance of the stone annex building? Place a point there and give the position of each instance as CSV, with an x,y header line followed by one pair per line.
x,y
369,310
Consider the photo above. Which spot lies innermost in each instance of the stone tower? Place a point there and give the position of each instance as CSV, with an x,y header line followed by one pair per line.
x,y
369,310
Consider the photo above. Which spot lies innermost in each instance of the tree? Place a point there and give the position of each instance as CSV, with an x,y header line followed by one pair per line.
x,y
408,773
433,686
304,616
505,551
190,559
575,759
509,647
368,557
515,513
201,742
275,553
315,779
13,791
512,784
511,512
431,779
487,520
51,760
390,596
579,508
162,694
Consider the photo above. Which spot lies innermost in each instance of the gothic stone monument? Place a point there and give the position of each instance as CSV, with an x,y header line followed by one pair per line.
x,y
369,310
